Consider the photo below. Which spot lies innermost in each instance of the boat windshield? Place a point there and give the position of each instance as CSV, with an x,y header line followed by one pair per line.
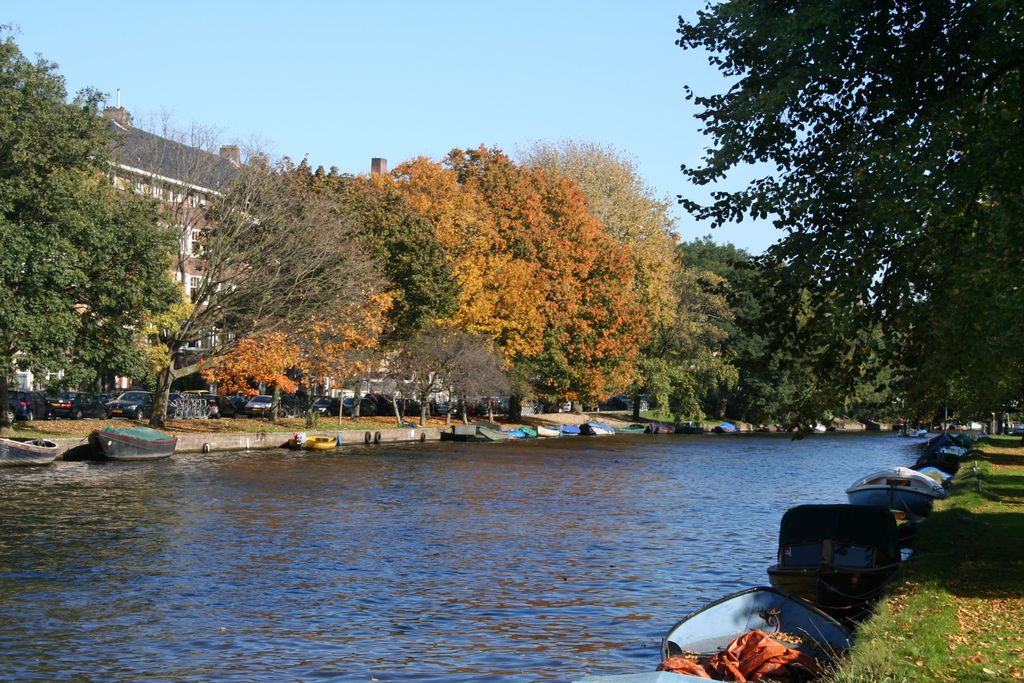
x,y
850,556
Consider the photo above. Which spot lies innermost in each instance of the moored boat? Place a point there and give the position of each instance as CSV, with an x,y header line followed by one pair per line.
x,y
461,432
711,628
27,452
570,430
635,428
660,428
897,488
782,622
132,443
547,431
313,443
691,427
491,433
594,428
725,428
837,557
528,431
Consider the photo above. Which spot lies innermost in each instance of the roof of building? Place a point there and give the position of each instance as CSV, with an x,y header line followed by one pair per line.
x,y
140,150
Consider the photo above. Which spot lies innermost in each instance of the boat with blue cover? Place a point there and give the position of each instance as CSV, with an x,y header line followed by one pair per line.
x,y
570,430
594,428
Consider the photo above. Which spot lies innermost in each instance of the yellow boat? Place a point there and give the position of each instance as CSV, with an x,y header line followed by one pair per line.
x,y
313,443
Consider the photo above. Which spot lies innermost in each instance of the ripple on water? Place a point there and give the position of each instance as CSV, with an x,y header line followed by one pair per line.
x,y
519,562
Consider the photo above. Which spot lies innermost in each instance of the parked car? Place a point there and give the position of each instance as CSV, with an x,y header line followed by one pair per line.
x,y
367,406
327,405
132,404
258,406
28,405
232,405
79,404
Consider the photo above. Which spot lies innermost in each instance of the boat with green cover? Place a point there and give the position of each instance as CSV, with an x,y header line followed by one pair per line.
x,y
635,428
132,443
491,433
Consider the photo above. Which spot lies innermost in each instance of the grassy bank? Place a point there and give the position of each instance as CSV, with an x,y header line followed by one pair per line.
x,y
956,611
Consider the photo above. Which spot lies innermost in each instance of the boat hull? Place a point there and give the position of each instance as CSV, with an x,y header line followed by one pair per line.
x,y
14,453
840,593
112,446
714,626
596,429
548,432
314,443
892,498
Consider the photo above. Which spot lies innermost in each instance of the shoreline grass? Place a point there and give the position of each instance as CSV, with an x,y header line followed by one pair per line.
x,y
956,611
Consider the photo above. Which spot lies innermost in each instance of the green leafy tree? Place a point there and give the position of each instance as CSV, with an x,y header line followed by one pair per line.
x,y
893,133
273,256
81,263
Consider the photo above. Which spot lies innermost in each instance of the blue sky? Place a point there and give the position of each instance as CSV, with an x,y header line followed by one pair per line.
x,y
341,82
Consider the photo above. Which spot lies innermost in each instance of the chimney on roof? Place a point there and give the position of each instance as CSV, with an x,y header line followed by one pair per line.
x,y
378,166
118,115
260,161
231,153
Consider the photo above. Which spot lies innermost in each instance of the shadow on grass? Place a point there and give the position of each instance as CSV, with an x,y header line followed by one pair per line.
x,y
972,555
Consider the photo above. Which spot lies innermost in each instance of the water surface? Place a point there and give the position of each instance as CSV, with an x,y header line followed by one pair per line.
x,y
538,560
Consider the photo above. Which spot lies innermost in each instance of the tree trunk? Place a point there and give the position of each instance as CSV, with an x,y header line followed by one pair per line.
x,y
398,414
6,426
164,380
515,407
274,403
357,401
636,407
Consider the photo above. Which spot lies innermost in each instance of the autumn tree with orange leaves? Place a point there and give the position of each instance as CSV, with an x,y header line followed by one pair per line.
x,y
538,272
256,361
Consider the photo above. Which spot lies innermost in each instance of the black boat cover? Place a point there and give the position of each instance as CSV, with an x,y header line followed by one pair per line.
x,y
852,525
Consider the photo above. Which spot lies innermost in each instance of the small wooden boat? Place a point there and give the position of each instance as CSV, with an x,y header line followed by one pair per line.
x,y
546,431
27,452
661,428
711,629
691,427
897,488
132,443
594,428
837,557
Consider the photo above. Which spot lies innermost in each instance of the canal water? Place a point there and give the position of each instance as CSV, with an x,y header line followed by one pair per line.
x,y
528,561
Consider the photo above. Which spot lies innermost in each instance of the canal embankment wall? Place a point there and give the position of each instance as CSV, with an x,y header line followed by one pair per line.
x,y
243,441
